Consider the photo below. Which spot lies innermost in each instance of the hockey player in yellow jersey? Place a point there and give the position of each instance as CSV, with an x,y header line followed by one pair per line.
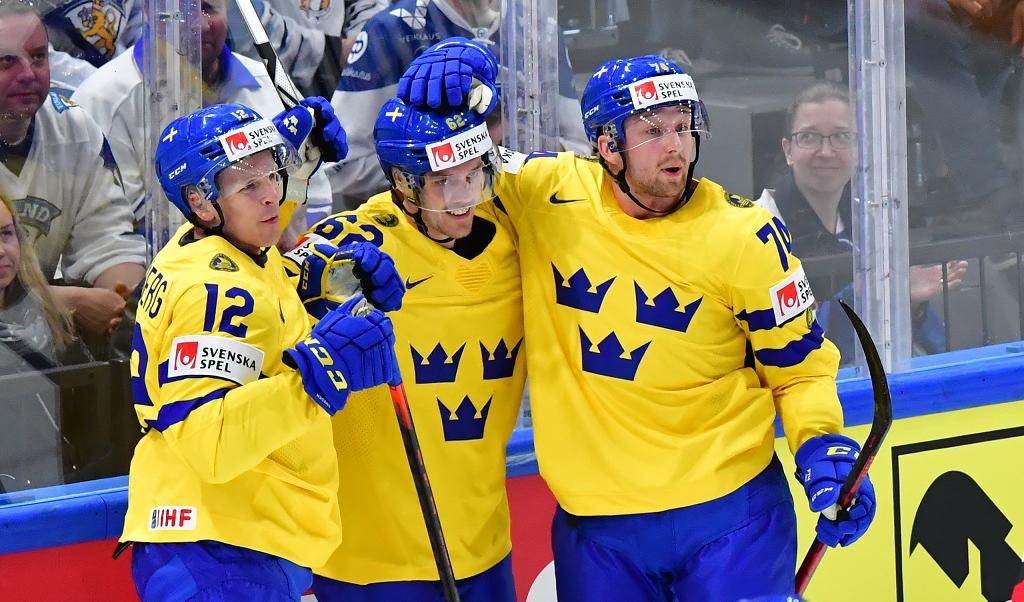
x,y
233,488
459,342
668,326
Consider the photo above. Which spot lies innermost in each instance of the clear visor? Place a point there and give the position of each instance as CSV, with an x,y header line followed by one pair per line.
x,y
666,125
456,188
456,192
258,174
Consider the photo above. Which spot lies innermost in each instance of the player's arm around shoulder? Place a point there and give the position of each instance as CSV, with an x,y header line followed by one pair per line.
x,y
773,302
528,181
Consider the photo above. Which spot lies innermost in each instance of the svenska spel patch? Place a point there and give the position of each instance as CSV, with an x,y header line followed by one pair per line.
x,y
250,139
459,149
661,89
791,296
214,357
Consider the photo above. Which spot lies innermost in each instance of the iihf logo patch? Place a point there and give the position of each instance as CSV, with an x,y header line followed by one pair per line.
x,y
172,518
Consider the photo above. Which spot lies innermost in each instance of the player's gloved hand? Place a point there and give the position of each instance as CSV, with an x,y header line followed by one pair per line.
x,y
328,135
377,274
378,278
345,353
452,73
823,463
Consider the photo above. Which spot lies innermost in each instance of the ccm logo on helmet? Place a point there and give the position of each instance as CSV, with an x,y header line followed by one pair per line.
x,y
459,149
177,171
662,89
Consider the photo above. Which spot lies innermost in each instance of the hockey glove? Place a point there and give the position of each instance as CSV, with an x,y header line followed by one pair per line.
x,y
823,463
345,353
377,274
372,269
296,126
453,73
328,135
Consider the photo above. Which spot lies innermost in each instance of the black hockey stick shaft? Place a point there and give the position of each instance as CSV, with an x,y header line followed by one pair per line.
x,y
286,89
426,496
414,454
880,424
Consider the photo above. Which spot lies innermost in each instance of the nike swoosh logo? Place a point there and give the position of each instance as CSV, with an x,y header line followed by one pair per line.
x,y
557,201
413,283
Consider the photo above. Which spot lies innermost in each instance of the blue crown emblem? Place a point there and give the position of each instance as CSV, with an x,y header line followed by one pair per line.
x,y
663,313
503,363
437,368
608,360
578,294
466,423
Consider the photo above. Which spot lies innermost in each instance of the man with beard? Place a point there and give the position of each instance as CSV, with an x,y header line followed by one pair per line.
x,y
669,326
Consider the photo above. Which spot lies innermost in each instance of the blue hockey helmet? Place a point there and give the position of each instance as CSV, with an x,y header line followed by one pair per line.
x,y
417,142
624,87
195,148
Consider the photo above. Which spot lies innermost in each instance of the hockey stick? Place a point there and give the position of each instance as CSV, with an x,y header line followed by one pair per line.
x,y
286,89
414,454
879,427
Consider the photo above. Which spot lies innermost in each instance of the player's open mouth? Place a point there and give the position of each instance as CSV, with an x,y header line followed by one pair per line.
x,y
459,212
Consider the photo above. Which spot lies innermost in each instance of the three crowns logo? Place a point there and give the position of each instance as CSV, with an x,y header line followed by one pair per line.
x,y
466,423
608,360
664,312
577,294
502,362
437,368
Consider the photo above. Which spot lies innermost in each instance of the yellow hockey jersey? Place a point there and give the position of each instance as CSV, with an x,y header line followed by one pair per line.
x,y
459,342
660,349
234,449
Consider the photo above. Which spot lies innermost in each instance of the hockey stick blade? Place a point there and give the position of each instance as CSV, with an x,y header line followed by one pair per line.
x,y
286,89
880,424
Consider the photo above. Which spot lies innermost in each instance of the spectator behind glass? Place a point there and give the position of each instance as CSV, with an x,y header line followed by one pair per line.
x,y
85,34
381,53
35,329
115,98
59,174
813,199
312,39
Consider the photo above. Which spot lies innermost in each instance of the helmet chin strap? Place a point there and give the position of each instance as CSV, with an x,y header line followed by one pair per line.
x,y
417,218
620,179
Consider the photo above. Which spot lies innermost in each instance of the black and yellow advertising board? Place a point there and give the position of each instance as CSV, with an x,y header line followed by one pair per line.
x,y
950,522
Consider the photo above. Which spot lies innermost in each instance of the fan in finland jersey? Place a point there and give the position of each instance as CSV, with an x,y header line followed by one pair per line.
x,y
312,38
58,171
231,494
382,51
669,326
459,338
115,97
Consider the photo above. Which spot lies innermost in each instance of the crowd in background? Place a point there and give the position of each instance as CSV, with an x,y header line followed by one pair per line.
x,y
72,220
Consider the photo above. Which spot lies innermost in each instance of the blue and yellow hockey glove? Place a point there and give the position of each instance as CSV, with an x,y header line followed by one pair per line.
x,y
452,73
823,463
345,353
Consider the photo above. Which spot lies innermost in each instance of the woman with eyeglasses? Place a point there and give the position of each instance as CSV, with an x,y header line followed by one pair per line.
x,y
813,198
